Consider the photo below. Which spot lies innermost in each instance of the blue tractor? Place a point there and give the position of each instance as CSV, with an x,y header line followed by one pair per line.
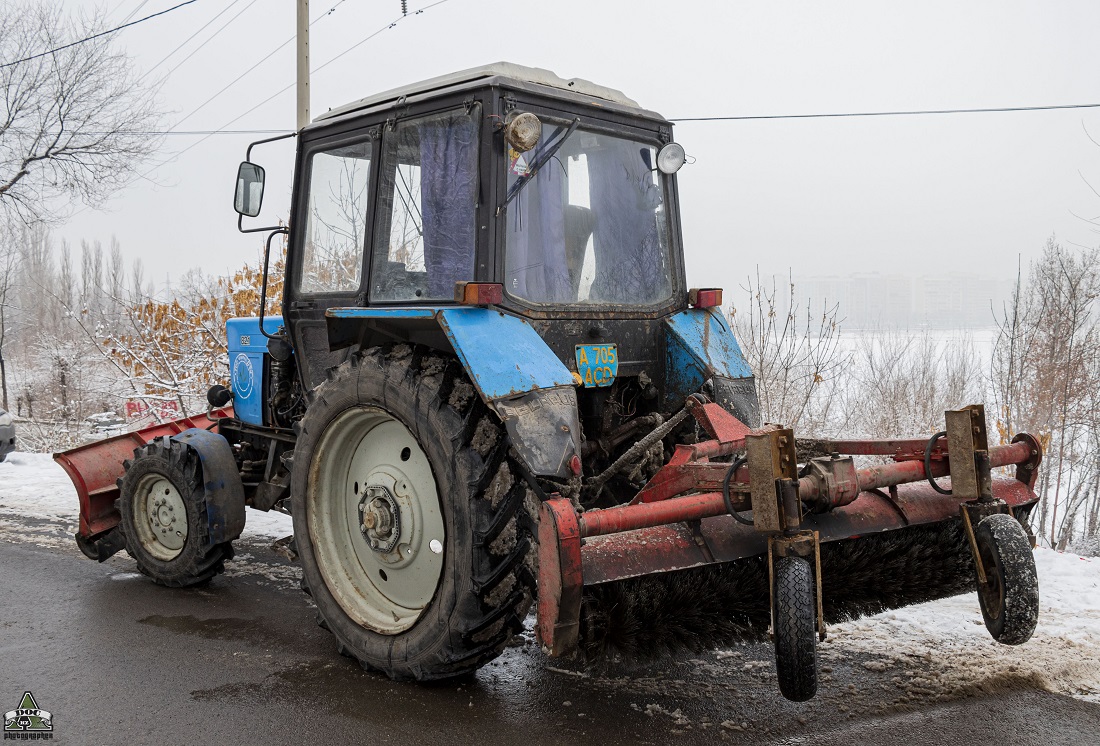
x,y
490,384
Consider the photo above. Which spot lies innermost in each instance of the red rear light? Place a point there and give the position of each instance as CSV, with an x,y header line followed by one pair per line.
x,y
478,293
705,297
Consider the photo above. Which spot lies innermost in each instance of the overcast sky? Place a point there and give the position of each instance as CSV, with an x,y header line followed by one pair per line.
x,y
924,195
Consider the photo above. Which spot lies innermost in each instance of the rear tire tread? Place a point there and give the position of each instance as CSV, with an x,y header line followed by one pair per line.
x,y
501,587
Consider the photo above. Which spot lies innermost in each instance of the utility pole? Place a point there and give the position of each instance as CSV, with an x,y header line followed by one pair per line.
x,y
303,63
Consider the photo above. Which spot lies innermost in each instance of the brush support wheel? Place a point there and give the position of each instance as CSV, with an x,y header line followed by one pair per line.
x,y
1010,596
795,628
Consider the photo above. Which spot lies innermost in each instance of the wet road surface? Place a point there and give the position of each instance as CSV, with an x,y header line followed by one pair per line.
x,y
118,659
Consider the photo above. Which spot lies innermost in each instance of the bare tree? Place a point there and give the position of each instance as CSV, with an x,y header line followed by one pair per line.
x,y
76,122
1046,376
900,383
9,255
794,355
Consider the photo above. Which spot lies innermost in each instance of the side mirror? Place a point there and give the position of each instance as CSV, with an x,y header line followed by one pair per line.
x,y
250,190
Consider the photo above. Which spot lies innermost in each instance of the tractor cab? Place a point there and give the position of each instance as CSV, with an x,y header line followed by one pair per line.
x,y
550,188
551,202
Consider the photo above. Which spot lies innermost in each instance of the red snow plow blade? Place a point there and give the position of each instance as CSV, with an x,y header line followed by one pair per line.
x,y
690,514
95,468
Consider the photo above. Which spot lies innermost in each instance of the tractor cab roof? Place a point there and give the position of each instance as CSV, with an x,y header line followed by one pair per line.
x,y
498,73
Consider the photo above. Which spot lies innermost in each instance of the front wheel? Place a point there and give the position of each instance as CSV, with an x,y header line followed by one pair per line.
x,y
416,540
795,628
162,506
1010,596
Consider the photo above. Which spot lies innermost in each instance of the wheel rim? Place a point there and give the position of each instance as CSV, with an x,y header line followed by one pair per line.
x,y
991,594
375,520
160,517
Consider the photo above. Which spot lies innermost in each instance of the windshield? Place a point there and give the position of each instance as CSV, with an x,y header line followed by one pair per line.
x,y
591,226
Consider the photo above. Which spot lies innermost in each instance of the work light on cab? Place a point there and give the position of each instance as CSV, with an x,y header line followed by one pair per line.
x,y
671,157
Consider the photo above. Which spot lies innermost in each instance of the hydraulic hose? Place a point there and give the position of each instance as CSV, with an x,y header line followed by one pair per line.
x,y
928,462
737,464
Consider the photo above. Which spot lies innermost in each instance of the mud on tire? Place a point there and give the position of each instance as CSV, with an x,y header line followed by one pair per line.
x,y
487,582
174,467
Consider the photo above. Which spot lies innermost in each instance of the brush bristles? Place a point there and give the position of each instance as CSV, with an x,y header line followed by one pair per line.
x,y
692,610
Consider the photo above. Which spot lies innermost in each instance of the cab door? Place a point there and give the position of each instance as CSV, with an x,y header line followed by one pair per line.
x,y
329,239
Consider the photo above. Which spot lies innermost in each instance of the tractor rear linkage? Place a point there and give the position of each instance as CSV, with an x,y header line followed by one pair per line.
x,y
682,517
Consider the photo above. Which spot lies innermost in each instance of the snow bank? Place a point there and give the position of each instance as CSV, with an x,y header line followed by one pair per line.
x,y
34,485
942,649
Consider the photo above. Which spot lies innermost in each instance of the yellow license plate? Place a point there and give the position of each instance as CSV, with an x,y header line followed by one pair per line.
x,y
597,365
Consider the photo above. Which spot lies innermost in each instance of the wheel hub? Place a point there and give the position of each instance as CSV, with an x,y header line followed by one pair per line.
x,y
380,519
376,522
164,515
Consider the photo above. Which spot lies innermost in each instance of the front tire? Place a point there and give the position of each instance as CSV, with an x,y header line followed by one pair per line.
x,y
162,506
1010,596
795,628
416,538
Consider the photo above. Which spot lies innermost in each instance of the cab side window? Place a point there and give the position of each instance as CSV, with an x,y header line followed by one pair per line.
x,y
336,218
425,237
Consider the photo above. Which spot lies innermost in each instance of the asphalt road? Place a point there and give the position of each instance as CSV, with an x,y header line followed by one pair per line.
x,y
119,660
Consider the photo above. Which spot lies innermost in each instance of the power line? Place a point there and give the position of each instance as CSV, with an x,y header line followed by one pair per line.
x,y
210,38
260,62
161,133
207,134
95,36
321,67
219,132
135,11
993,110
376,33
186,41
288,87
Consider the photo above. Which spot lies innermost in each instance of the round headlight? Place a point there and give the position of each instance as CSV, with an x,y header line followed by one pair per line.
x,y
671,157
523,131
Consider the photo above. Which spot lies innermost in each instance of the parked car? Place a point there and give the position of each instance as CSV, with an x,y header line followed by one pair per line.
x,y
7,434
106,423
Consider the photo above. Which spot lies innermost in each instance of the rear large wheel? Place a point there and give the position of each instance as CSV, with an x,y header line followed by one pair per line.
x,y
416,539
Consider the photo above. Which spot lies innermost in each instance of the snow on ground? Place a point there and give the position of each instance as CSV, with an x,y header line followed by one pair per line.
x,y
34,485
953,654
932,651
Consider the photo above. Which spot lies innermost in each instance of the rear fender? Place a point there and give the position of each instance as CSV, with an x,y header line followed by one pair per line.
x,y
513,370
221,482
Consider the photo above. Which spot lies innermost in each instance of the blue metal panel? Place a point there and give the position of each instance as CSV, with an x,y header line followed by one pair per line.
x,y
247,347
221,481
700,345
503,354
